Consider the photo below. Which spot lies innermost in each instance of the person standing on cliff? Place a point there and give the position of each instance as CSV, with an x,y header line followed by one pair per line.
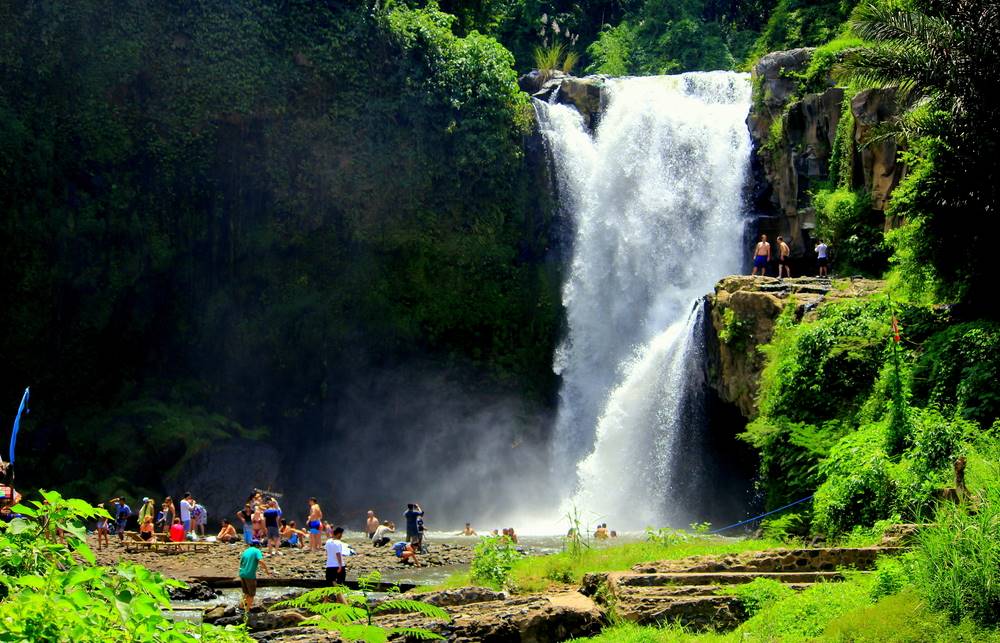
x,y
761,256
822,257
783,252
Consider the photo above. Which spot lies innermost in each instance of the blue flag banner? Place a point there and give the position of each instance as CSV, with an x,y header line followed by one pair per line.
x,y
17,421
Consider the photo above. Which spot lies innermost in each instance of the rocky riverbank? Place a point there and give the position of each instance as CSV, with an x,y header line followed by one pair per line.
x,y
222,561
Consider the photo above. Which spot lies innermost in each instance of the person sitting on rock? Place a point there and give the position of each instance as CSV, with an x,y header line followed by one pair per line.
x,y
291,536
228,533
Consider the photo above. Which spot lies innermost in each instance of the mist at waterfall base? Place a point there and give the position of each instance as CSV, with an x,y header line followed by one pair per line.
x,y
656,196
440,436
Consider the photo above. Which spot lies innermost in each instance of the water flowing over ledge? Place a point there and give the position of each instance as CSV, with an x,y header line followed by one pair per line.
x,y
656,201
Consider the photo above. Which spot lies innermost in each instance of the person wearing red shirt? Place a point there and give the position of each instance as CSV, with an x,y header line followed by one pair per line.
x,y
177,531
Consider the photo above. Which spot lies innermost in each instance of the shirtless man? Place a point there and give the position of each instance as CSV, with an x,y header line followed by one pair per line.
x,y
783,252
315,525
371,524
468,531
761,256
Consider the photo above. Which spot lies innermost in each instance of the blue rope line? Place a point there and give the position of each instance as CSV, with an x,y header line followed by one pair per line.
x,y
773,511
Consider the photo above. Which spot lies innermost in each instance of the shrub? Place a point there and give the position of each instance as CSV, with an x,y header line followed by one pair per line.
x,y
786,527
805,615
760,593
957,566
935,441
891,575
492,561
53,591
959,369
858,488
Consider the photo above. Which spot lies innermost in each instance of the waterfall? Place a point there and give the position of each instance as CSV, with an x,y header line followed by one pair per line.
x,y
655,197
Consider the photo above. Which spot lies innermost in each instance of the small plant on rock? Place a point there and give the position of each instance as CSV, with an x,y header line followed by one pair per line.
x,y
353,618
492,561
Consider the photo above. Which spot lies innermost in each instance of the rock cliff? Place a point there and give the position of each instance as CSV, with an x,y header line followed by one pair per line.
x,y
795,134
743,312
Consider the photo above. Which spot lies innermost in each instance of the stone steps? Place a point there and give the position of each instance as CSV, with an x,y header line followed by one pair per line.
x,y
719,578
777,560
692,591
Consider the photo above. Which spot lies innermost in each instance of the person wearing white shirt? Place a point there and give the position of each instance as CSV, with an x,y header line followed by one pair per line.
x,y
336,551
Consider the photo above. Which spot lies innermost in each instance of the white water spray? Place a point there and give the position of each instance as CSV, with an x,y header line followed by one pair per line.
x,y
656,200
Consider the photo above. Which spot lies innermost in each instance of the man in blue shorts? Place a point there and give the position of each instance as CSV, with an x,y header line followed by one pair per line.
x,y
315,525
761,256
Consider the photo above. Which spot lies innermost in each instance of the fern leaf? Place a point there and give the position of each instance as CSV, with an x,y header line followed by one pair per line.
x,y
310,598
411,606
417,633
356,632
339,612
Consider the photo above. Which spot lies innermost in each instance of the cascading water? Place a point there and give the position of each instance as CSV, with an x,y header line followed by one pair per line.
x,y
656,199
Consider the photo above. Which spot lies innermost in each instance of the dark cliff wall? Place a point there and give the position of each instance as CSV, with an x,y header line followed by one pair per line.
x,y
805,141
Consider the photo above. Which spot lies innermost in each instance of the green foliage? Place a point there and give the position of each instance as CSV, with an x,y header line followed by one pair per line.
x,y
859,484
667,537
612,52
959,369
804,615
786,527
816,379
352,618
554,57
267,197
760,593
52,591
957,568
492,561
938,58
901,617
846,221
869,536
801,23
890,577
735,331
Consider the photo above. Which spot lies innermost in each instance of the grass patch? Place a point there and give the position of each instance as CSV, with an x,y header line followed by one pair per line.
x,y
538,573
902,617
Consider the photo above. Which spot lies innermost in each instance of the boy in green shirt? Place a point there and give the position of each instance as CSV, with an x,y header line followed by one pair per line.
x,y
249,560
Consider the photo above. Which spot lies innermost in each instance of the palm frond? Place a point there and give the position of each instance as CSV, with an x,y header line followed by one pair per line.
x,y
890,21
411,606
417,633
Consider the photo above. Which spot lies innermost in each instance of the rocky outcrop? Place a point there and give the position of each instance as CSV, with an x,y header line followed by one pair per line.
x,y
880,170
743,312
794,136
526,619
585,94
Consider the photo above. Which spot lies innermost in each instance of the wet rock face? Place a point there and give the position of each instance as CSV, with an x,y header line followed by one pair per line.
x,y
585,94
